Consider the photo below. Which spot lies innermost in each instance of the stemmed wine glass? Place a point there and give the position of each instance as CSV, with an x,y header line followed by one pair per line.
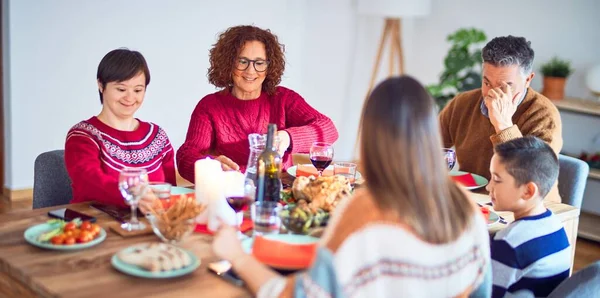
x,y
240,202
450,157
133,183
321,155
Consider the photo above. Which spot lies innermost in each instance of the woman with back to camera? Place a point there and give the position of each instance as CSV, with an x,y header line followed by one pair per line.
x,y
410,232
247,63
97,149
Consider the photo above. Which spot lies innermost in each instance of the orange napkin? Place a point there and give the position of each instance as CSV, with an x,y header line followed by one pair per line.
x,y
244,227
283,255
485,212
310,170
465,179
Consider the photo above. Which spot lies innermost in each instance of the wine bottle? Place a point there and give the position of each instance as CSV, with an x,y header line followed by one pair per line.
x,y
269,169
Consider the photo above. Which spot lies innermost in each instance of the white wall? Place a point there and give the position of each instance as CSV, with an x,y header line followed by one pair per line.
x,y
54,48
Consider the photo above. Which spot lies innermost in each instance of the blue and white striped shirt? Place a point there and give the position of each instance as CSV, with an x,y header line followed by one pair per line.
x,y
530,257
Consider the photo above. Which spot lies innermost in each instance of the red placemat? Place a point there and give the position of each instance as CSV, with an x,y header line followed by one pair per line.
x,y
246,225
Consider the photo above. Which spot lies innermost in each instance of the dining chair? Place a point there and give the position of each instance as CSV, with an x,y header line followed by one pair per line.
x,y
572,178
584,283
51,182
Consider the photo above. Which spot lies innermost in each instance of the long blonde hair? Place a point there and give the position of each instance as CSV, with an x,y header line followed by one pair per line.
x,y
401,156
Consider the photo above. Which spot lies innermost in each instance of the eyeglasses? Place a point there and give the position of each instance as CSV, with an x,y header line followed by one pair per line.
x,y
259,65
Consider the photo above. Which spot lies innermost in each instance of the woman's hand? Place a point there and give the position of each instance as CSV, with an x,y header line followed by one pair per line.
x,y
284,142
227,164
149,202
226,244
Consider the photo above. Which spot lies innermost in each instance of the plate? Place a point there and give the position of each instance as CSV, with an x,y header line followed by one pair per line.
x,y
178,190
480,180
32,233
285,238
292,171
139,272
492,218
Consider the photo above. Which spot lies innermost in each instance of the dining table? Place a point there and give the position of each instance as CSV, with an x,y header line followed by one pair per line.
x,y
29,271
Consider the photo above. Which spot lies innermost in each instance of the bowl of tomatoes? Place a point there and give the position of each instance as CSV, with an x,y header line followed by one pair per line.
x,y
61,235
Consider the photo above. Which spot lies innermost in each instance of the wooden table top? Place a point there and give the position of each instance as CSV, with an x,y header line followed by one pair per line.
x,y
88,272
26,270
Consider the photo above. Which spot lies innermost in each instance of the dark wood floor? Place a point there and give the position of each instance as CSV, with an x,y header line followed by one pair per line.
x,y
586,251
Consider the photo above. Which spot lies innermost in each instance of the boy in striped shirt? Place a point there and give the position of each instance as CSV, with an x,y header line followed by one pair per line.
x,y
531,256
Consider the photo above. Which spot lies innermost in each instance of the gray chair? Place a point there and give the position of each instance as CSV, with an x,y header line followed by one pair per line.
x,y
584,283
572,179
51,182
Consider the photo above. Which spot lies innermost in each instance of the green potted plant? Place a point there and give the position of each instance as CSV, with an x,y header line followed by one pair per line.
x,y
555,74
462,65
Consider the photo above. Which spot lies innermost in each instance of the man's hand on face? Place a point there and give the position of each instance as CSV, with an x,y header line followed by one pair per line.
x,y
502,105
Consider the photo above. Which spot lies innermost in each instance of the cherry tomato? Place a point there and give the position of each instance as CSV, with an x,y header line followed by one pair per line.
x,y
76,233
84,236
95,229
69,226
85,226
69,240
58,239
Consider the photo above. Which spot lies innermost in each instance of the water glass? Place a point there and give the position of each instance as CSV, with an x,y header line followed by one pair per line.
x,y
450,157
133,183
265,215
346,169
162,191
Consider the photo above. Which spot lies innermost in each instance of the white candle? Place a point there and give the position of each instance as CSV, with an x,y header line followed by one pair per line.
x,y
208,179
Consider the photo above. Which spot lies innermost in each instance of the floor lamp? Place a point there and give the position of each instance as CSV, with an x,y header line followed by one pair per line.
x,y
393,11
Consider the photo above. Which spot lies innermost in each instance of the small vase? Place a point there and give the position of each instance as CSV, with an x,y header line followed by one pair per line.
x,y
554,88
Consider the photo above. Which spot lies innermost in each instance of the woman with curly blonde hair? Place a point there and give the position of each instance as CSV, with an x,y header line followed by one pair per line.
x,y
247,63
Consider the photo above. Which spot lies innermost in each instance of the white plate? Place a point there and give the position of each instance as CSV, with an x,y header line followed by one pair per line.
x,y
139,272
480,180
292,171
32,233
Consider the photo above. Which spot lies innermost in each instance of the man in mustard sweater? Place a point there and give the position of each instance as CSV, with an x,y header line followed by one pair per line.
x,y
504,108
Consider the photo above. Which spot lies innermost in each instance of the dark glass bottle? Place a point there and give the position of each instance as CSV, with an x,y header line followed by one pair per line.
x,y
268,170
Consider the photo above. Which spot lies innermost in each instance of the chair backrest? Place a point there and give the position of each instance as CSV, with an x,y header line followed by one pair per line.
x,y
584,283
572,179
51,182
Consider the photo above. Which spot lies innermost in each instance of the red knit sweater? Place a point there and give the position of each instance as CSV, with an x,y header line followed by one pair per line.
x,y
221,123
95,152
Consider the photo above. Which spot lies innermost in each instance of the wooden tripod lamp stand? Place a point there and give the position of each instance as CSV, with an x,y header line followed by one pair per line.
x,y
392,11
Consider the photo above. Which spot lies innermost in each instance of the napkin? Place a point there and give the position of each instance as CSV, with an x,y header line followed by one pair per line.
x,y
465,179
310,170
485,212
211,186
283,255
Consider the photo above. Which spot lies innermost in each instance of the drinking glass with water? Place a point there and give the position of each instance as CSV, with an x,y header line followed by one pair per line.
x,y
265,215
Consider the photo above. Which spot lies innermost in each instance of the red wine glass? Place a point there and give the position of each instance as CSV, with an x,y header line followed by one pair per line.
x,y
321,155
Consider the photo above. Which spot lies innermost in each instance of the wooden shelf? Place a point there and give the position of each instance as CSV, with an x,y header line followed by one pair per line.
x,y
594,174
577,105
589,226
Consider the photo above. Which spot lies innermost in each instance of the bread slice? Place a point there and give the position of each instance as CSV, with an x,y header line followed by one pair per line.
x,y
156,257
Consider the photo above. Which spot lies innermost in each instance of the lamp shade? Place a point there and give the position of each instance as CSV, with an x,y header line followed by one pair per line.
x,y
592,80
394,8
